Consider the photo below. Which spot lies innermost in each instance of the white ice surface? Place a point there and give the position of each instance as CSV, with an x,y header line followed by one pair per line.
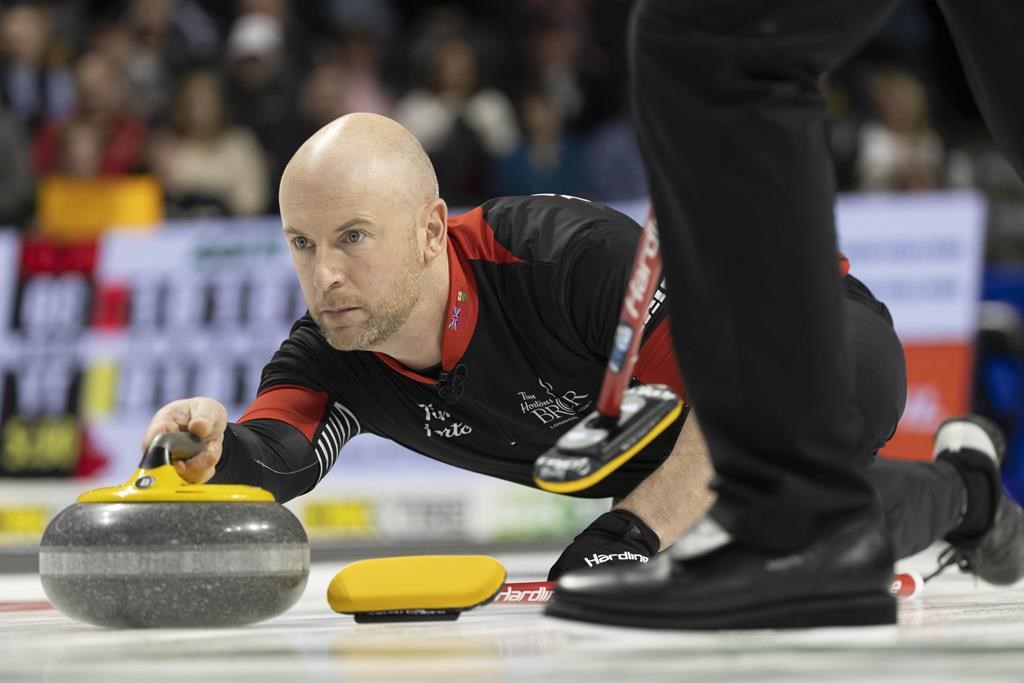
x,y
956,631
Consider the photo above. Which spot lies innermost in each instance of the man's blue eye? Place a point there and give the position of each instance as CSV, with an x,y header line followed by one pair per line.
x,y
353,237
300,242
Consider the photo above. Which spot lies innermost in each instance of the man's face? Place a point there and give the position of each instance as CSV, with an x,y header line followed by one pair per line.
x,y
359,264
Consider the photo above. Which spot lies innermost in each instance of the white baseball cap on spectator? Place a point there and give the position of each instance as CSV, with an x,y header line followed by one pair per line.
x,y
255,35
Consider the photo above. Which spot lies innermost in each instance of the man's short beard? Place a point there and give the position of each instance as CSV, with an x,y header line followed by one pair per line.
x,y
385,320
378,328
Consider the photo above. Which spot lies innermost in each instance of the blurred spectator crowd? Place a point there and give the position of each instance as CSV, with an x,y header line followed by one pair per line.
x,y
213,97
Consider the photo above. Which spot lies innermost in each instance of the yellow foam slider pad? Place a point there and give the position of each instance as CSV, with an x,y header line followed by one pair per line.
x,y
415,588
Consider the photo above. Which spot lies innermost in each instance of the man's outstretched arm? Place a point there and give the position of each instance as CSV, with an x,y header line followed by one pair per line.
x,y
286,441
676,494
653,515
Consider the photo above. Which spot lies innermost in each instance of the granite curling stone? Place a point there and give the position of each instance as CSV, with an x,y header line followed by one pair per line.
x,y
158,552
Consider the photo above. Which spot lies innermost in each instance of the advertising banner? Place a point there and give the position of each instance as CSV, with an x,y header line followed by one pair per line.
x,y
46,291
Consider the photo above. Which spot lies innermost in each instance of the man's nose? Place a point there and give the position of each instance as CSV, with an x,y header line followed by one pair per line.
x,y
328,272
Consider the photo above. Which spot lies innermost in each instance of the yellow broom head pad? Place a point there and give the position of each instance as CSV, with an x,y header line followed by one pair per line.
x,y
415,588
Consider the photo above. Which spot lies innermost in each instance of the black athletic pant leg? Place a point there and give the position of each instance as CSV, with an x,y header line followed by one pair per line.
x,y
921,501
730,120
879,368
988,39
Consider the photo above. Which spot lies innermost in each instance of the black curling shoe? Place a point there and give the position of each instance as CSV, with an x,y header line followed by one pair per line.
x,y
976,447
708,581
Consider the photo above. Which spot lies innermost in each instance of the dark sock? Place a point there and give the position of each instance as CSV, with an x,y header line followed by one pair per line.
x,y
981,491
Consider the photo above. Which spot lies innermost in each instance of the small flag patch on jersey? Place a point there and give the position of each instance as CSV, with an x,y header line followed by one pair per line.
x,y
453,322
462,296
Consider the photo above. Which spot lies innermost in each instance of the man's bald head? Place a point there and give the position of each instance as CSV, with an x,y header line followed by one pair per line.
x,y
368,236
360,155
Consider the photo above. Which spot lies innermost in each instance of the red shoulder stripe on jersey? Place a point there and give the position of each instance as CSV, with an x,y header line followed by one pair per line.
x,y
463,307
469,238
656,363
300,407
844,265
463,310
475,238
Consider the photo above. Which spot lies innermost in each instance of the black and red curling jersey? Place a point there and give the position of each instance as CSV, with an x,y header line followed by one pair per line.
x,y
535,289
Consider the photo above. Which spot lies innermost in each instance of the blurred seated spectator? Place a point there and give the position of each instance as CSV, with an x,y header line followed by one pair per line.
x,y
298,23
262,90
207,164
145,88
365,90
16,180
547,159
377,18
101,106
552,50
899,150
346,81
32,88
80,150
324,96
461,125
614,166
152,43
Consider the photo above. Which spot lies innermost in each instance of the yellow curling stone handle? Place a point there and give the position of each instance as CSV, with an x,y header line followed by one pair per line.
x,y
156,480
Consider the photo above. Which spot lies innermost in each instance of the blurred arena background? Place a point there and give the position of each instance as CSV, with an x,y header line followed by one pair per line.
x,y
140,148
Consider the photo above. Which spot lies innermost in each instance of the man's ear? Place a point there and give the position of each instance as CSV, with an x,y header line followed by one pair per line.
x,y
436,229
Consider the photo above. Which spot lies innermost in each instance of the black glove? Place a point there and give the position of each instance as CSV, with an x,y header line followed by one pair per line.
x,y
616,537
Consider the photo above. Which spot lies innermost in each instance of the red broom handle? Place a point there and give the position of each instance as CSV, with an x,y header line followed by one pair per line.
x,y
904,585
643,279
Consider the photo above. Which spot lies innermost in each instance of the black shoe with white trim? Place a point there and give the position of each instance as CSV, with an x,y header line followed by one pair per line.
x,y
995,552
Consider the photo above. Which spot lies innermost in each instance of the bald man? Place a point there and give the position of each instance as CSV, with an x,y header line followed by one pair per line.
x,y
478,340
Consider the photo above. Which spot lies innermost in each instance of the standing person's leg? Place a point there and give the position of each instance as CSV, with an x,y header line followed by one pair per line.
x,y
920,500
730,120
731,123
988,39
